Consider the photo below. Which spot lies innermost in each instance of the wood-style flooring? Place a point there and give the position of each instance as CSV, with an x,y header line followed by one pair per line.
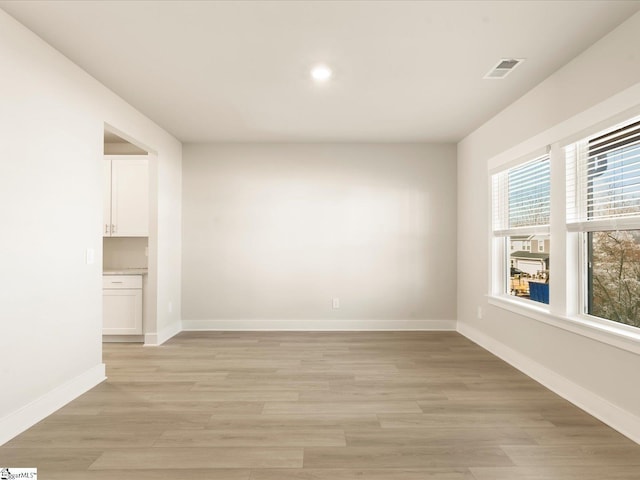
x,y
319,406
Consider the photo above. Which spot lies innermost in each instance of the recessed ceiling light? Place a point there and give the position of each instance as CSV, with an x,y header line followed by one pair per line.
x,y
321,73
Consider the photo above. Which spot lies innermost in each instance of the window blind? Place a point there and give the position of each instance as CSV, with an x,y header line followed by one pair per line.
x,y
522,198
603,180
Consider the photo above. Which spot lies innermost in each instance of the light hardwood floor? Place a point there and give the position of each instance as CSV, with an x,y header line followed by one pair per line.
x,y
320,406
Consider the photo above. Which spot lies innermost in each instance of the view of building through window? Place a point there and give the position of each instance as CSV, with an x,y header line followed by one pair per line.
x,y
529,267
529,200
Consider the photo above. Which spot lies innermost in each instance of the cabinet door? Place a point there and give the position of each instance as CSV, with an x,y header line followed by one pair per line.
x,y
122,312
106,198
130,197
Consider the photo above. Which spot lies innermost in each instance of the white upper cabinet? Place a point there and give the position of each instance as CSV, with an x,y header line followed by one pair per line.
x,y
126,203
106,198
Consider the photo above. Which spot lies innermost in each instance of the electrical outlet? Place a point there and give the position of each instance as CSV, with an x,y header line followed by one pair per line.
x,y
90,256
336,302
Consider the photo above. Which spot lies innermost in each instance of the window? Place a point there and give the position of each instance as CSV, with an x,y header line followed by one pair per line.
x,y
593,215
521,211
603,200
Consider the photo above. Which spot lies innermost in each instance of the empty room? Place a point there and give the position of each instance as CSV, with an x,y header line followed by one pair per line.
x,y
320,240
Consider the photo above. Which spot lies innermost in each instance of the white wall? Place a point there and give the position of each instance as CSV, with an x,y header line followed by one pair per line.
x,y
52,120
601,82
273,232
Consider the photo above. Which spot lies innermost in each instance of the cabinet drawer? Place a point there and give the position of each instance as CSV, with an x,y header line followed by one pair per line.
x,y
121,281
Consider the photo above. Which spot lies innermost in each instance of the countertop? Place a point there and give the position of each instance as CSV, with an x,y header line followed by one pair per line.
x,y
126,271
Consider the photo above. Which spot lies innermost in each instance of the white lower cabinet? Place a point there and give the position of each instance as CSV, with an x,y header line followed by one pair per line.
x,y
122,304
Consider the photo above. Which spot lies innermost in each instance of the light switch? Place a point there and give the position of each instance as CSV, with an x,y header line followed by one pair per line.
x,y
336,302
90,256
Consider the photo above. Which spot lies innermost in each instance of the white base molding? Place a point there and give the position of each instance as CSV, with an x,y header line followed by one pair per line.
x,y
157,339
17,422
331,325
122,339
617,418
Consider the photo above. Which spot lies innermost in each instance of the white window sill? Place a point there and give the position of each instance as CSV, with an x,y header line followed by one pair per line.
x,y
617,336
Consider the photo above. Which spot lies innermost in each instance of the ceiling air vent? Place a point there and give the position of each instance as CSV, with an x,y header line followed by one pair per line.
x,y
503,68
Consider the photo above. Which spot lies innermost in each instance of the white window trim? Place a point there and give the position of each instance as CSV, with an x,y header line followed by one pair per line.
x,y
566,247
499,263
577,199
585,325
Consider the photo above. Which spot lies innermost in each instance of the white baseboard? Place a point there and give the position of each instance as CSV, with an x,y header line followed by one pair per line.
x,y
122,339
317,325
17,422
157,339
621,420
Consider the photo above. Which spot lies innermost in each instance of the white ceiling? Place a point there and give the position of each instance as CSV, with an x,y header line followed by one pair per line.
x,y
239,71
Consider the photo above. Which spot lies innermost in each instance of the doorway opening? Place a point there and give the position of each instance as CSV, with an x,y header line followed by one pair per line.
x,y
129,239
